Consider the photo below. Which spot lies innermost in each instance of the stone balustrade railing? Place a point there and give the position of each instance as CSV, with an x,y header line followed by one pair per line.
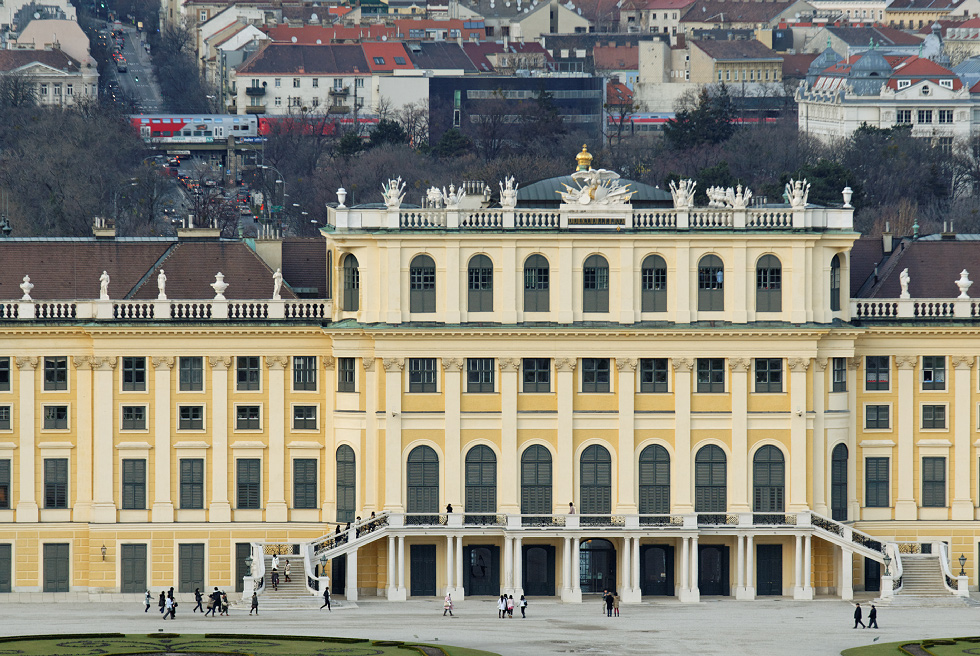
x,y
170,310
915,308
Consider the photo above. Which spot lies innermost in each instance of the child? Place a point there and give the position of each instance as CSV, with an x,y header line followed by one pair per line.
x,y
523,607
447,606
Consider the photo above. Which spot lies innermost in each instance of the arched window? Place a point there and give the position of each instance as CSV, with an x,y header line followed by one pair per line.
x,y
838,483
352,284
422,284
710,480
422,480
768,284
595,284
536,284
346,484
480,284
835,283
595,481
481,480
768,480
536,481
653,284
711,284
654,480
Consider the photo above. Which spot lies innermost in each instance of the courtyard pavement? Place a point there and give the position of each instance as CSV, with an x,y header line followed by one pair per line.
x,y
772,626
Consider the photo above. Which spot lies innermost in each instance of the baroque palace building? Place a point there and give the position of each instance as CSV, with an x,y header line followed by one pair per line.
x,y
578,385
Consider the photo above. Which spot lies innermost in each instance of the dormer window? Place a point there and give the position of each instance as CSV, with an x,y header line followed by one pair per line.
x,y
904,84
946,84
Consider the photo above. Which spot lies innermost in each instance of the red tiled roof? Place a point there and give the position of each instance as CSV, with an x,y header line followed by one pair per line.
x,y
618,94
14,59
616,58
666,4
739,11
386,54
797,65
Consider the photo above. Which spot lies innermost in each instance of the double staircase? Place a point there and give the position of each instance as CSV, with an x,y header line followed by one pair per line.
x,y
290,596
924,584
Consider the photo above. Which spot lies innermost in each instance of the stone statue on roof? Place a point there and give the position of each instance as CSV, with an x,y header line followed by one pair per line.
x,y
797,192
162,286
277,285
508,193
393,192
104,286
683,193
596,186
904,279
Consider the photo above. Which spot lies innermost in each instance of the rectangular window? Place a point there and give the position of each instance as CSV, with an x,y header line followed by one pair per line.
x,y
4,417
248,417
945,115
934,482
316,83
934,416
5,484
768,375
422,375
839,375
653,375
595,375
296,83
903,116
359,83
191,417
304,373
133,417
249,483
934,372
190,372
876,417
56,417
134,374
192,483
278,82
711,375
876,482
56,482
925,116
304,483
304,417
249,373
876,372
346,375
537,375
4,374
134,484
479,375
55,373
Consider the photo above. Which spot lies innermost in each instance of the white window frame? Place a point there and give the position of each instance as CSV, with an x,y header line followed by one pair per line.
x,y
308,431
52,404
10,408
204,418
891,418
934,430
146,414
260,429
147,369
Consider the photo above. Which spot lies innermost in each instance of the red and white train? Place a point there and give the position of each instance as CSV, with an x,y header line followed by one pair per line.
x,y
211,128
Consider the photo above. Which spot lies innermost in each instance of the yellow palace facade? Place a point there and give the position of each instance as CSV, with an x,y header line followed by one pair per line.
x,y
619,390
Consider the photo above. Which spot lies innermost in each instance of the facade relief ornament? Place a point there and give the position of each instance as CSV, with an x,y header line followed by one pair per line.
x,y
329,362
80,361
510,364
25,361
104,362
821,363
393,364
161,362
853,363
963,361
739,364
452,364
565,364
680,364
276,361
798,364
368,363
220,362
905,361
626,364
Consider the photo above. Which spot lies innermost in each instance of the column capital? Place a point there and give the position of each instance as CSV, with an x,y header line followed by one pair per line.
x,y
739,364
510,364
682,363
80,361
798,364
853,363
26,361
368,363
161,362
329,362
220,362
104,363
393,364
566,364
276,361
452,364
626,364
821,363
905,361
963,361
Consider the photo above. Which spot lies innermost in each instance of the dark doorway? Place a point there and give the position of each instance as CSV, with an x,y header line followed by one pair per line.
x,y
338,575
132,566
5,568
597,565
872,575
539,570
242,551
190,565
713,570
56,568
482,570
657,570
423,570
769,569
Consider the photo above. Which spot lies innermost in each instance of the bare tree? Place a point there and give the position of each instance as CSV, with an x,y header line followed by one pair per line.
x,y
18,89
414,117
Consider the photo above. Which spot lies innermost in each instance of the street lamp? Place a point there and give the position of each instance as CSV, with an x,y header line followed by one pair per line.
x,y
103,551
248,565
888,561
962,560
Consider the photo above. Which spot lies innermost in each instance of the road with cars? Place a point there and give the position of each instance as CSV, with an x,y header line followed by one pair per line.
x,y
137,81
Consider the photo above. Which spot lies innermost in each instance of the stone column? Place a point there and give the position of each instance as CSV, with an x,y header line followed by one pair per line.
x,y
739,472
371,433
103,506
220,508
163,505
905,508
85,442
566,569
694,590
392,567
637,585
518,567
749,593
451,392
684,589
401,565
625,469
566,457
393,434
847,575
685,280
680,486
962,431
798,454
740,567
276,509
27,508
626,585
455,296
798,569
509,461
459,568
450,569
807,567
819,452
508,565
351,583
576,568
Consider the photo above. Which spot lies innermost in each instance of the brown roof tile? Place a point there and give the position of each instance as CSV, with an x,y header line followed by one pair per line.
x,y
304,265
315,59
13,59
736,50
934,266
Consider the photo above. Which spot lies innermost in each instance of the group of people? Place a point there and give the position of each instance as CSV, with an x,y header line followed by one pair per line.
x,y
167,603
275,571
217,603
505,606
610,602
872,617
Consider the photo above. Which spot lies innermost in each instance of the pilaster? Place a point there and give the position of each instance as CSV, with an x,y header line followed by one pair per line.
x,y
905,508
27,509
820,455
627,445
219,510
85,470
798,454
680,485
509,381
103,507
276,509
393,434
371,437
451,392
564,492
739,501
455,293
163,506
962,506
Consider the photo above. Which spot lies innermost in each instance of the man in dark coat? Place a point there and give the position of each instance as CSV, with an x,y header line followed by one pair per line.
x,y
873,617
857,617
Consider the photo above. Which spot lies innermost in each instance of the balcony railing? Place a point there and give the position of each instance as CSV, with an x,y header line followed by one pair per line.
x,y
254,91
929,309
170,310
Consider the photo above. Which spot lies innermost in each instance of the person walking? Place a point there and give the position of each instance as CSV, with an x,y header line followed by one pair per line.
x,y
170,608
447,606
286,570
326,597
501,607
275,579
615,598
224,604
162,602
523,604
873,617
857,617
148,600
510,607
198,598
609,604
255,603
212,604
275,561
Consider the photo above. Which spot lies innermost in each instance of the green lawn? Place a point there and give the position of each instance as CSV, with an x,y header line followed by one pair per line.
x,y
938,647
214,643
